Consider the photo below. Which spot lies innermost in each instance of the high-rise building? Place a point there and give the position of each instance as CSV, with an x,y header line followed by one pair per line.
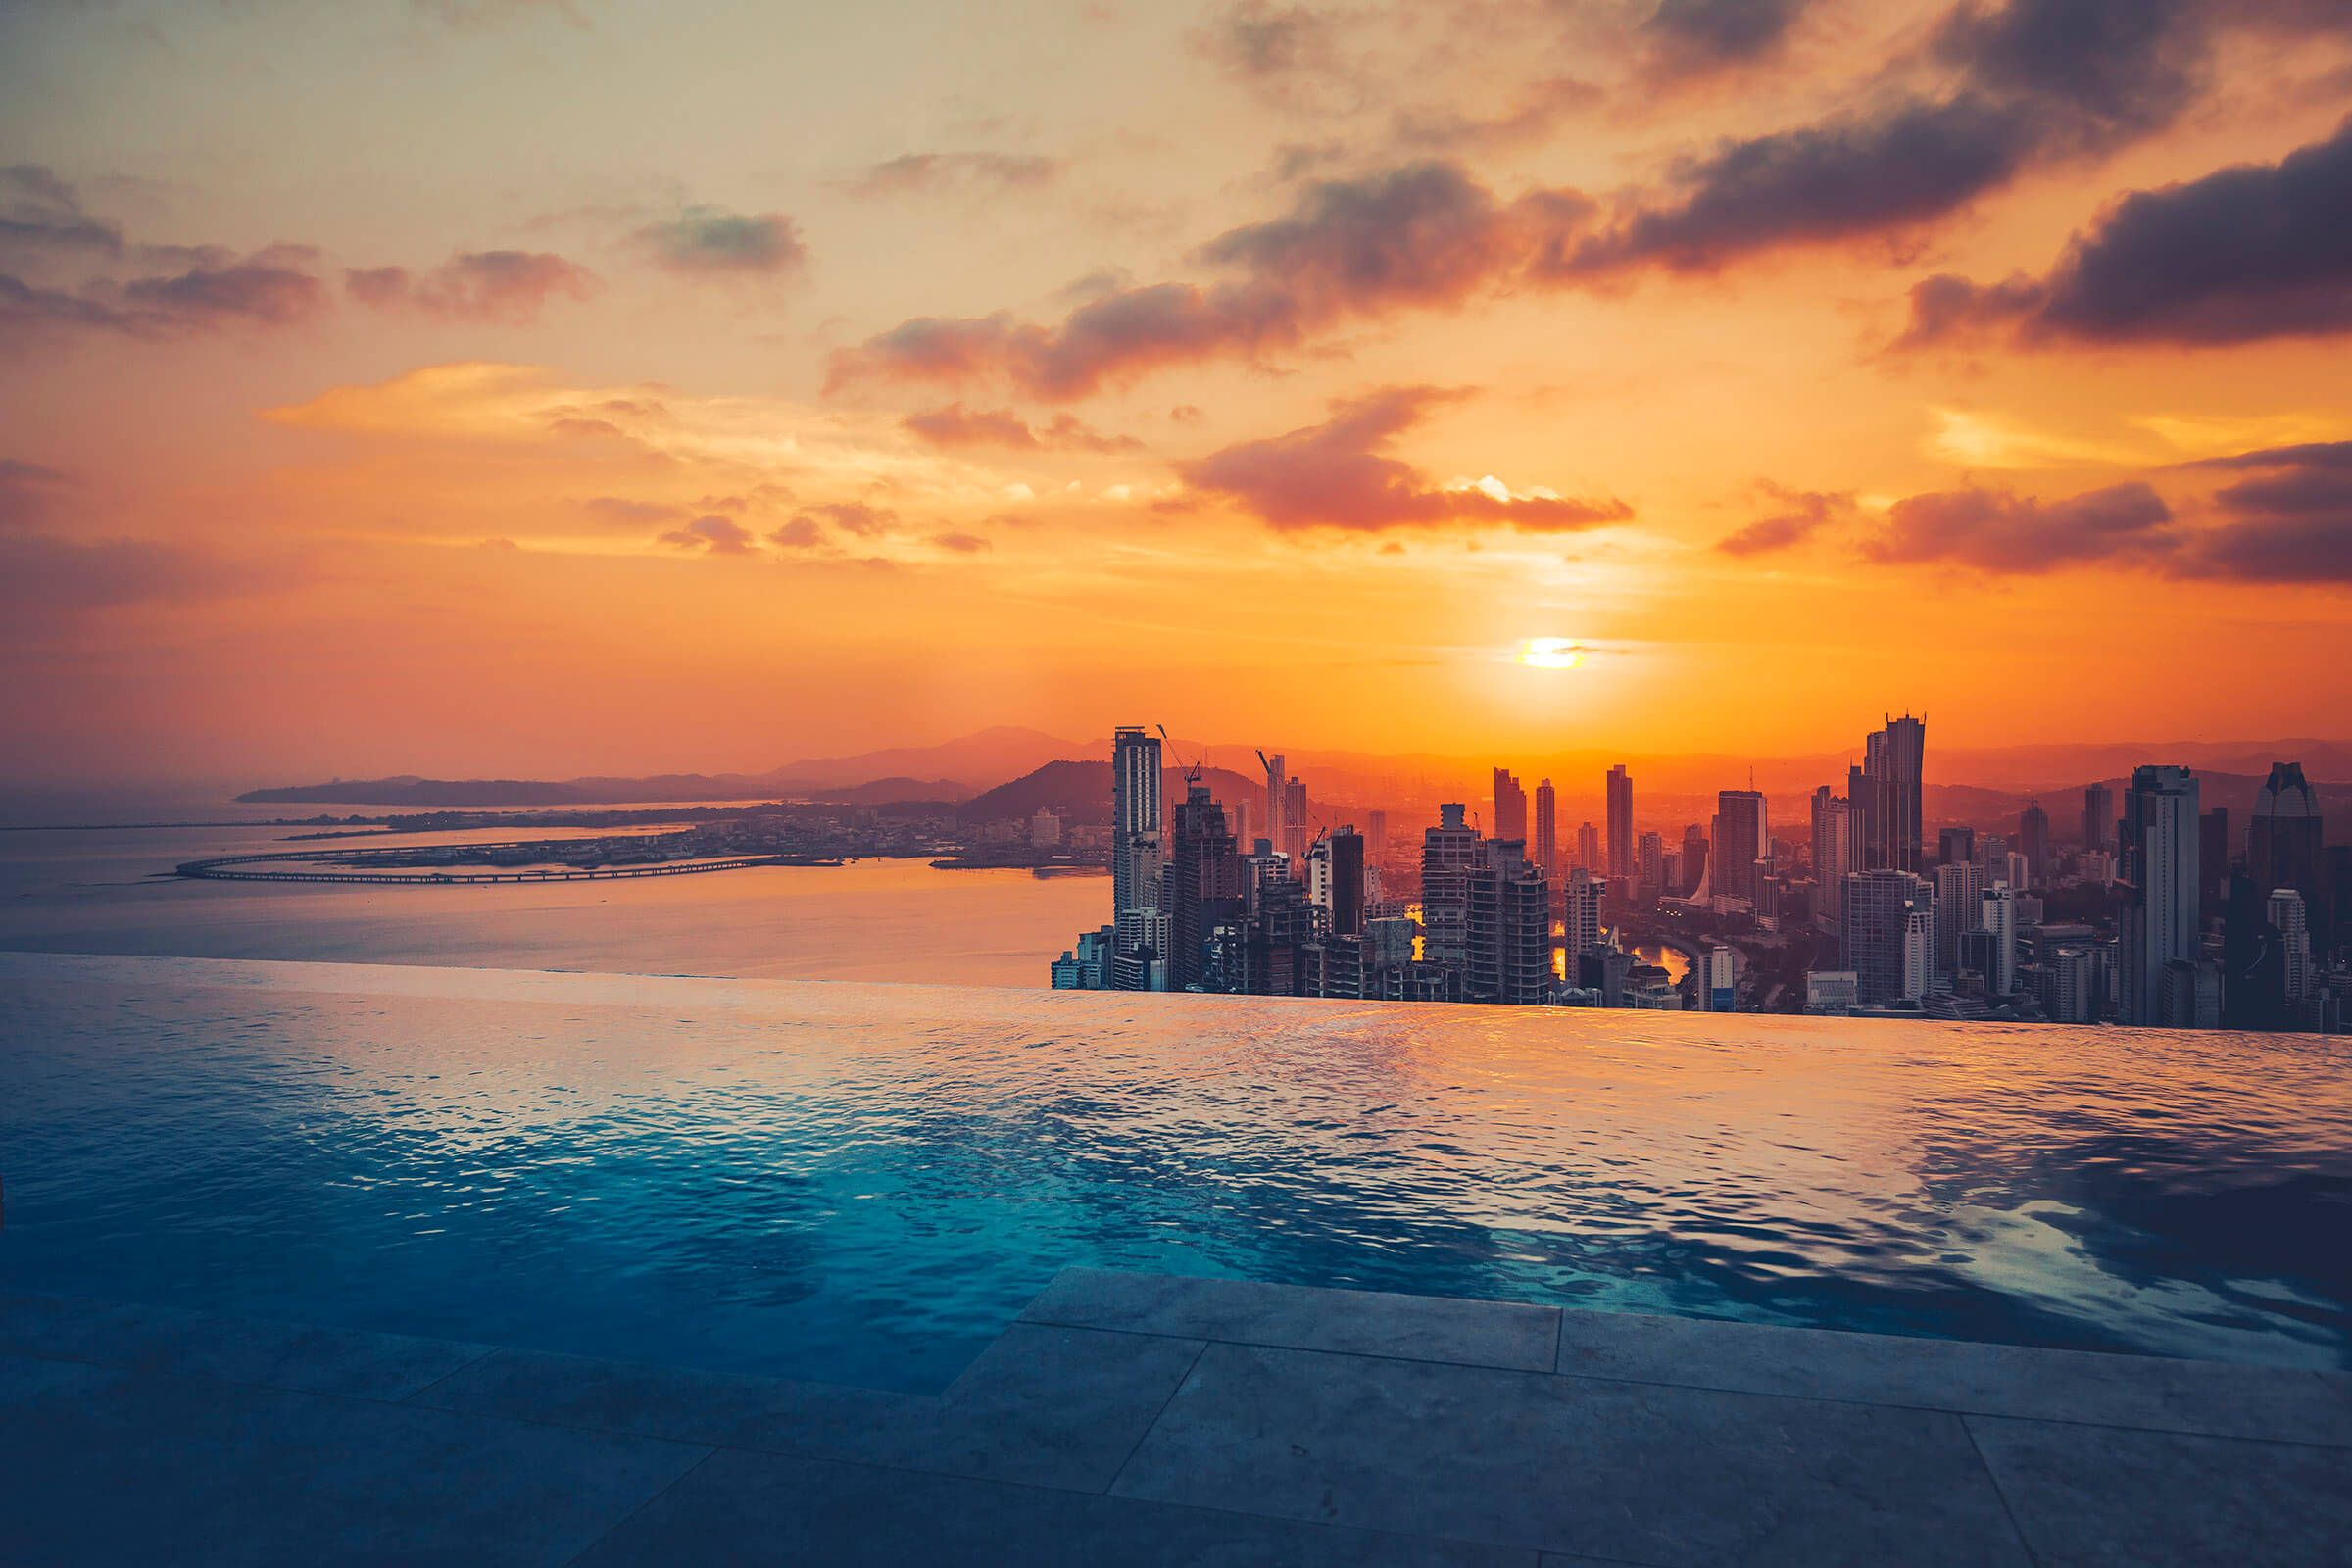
x,y
2099,818
2213,861
2284,848
1955,844
2070,985
1509,820
1296,834
1879,904
1896,758
1621,822
1343,853
1376,832
2290,919
1580,926
1206,884
2159,878
1866,820
1829,846
1588,850
1649,860
1999,921
1545,850
1136,849
1919,953
1508,936
1278,795
1449,852
1717,974
2034,843
1742,839
1959,898
1694,858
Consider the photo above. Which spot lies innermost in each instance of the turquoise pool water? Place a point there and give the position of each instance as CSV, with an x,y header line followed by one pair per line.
x,y
865,1183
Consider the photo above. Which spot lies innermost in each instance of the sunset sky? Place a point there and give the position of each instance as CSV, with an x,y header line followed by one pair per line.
x,y
468,387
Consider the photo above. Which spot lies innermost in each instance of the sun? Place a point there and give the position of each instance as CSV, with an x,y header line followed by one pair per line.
x,y
1550,653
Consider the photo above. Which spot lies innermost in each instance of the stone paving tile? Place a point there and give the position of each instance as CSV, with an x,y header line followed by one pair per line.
x,y
128,1467
2086,1496
1048,1406
1420,1328
177,1342
751,1508
2136,1390
1636,1471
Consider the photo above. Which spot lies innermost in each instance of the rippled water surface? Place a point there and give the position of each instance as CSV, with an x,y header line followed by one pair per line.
x,y
865,1183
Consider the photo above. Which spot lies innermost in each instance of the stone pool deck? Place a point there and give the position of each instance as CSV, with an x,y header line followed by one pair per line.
x,y
1139,1419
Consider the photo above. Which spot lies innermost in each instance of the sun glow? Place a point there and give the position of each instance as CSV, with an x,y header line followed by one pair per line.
x,y
1550,653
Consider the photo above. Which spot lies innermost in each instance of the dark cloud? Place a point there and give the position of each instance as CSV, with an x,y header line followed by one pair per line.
x,y
40,213
1258,42
963,544
956,425
28,491
851,516
1802,514
511,286
2251,252
2293,522
1425,235
274,287
713,535
1997,531
800,533
623,512
929,173
47,574
1338,474
2030,81
713,242
1684,40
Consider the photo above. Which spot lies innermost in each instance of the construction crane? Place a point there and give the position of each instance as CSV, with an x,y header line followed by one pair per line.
x,y
1192,773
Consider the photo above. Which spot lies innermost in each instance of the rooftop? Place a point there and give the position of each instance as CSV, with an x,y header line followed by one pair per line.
x,y
1147,1419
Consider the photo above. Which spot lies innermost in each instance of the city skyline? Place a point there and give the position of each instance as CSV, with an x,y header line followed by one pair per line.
x,y
1427,378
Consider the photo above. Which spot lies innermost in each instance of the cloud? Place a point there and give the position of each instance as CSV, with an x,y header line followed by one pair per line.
x,y
2031,81
273,287
41,213
28,491
711,242
1997,531
800,533
1803,513
623,512
853,516
963,544
1539,110
1425,235
711,534
2293,522
1338,474
929,173
2250,252
954,425
1686,40
1261,44
510,286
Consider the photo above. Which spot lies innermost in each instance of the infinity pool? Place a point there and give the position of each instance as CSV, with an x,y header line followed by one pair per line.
x,y
865,1183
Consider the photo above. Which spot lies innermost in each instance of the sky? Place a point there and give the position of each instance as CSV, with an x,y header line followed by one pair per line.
x,y
539,387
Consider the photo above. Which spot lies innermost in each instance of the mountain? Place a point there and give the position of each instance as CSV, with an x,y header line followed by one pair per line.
x,y
895,792
984,756
1080,793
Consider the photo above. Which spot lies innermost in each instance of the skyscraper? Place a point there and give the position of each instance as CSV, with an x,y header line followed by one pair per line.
x,y
1346,851
1879,904
2289,916
1278,795
1960,899
2099,818
2283,843
1741,839
1999,922
1376,832
1509,820
1296,834
1588,850
1649,859
2034,843
1508,932
2159,876
1694,858
1545,850
1896,758
1448,850
1955,844
1621,822
1581,926
1206,884
1830,863
1135,853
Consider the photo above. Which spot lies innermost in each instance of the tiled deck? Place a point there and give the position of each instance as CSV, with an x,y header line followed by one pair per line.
x,y
1137,1419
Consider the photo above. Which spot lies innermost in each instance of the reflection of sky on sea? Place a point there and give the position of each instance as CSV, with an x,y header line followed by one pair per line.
x,y
865,1182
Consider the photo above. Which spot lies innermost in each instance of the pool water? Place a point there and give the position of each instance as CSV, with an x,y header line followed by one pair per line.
x,y
865,1183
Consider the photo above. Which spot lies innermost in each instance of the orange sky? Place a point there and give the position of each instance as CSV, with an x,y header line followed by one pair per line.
x,y
538,388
